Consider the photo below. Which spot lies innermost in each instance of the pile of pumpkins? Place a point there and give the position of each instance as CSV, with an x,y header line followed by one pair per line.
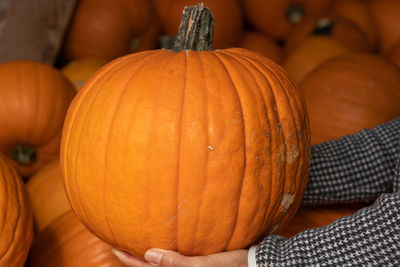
x,y
221,137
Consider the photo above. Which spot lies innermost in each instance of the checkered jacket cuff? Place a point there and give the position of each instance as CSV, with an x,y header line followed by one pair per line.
x,y
370,237
356,167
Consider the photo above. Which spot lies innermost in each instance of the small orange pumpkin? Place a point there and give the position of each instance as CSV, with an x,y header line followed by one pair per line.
x,y
386,14
195,151
16,222
349,93
46,191
394,54
276,18
358,12
67,243
107,29
261,43
34,99
339,28
309,54
79,70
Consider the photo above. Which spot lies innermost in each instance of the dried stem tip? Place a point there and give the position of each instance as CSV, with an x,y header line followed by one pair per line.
x,y
195,30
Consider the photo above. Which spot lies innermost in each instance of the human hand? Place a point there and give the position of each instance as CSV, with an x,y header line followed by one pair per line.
x,y
168,258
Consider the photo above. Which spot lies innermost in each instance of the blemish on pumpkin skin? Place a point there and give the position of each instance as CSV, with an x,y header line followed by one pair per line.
x,y
292,153
274,228
171,219
286,201
211,148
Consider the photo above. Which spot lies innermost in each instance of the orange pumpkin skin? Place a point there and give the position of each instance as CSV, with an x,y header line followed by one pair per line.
x,y
394,54
308,217
349,93
310,54
227,14
79,70
211,147
343,30
106,28
46,191
271,17
16,222
261,43
386,15
67,243
358,12
37,95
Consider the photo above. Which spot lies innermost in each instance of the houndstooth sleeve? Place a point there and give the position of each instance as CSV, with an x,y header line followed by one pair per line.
x,y
356,167
370,237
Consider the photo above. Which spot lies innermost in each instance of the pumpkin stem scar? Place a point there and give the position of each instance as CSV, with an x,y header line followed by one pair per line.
x,y
23,154
323,27
295,13
196,29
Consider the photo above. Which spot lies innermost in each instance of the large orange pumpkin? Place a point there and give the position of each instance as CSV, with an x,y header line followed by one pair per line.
x,y
107,28
312,52
276,18
46,191
349,93
67,243
358,12
386,14
198,152
227,14
261,43
34,99
16,223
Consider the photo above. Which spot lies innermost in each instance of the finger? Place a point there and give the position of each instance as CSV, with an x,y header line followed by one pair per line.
x,y
128,259
166,258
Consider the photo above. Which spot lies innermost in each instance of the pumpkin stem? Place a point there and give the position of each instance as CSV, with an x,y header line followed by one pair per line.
x,y
323,27
295,13
24,155
195,30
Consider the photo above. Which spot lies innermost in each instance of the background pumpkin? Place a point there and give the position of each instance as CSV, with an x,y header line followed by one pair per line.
x,y
309,54
212,148
358,12
46,191
339,28
349,93
386,14
261,43
308,217
108,29
276,18
66,242
394,54
33,102
16,223
79,70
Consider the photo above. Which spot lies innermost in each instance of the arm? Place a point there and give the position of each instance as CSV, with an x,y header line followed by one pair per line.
x,y
354,168
371,236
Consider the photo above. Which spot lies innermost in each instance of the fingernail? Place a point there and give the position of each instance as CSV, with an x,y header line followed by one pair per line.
x,y
154,256
117,253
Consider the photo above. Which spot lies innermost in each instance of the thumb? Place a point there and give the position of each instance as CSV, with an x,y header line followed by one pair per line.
x,y
164,258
